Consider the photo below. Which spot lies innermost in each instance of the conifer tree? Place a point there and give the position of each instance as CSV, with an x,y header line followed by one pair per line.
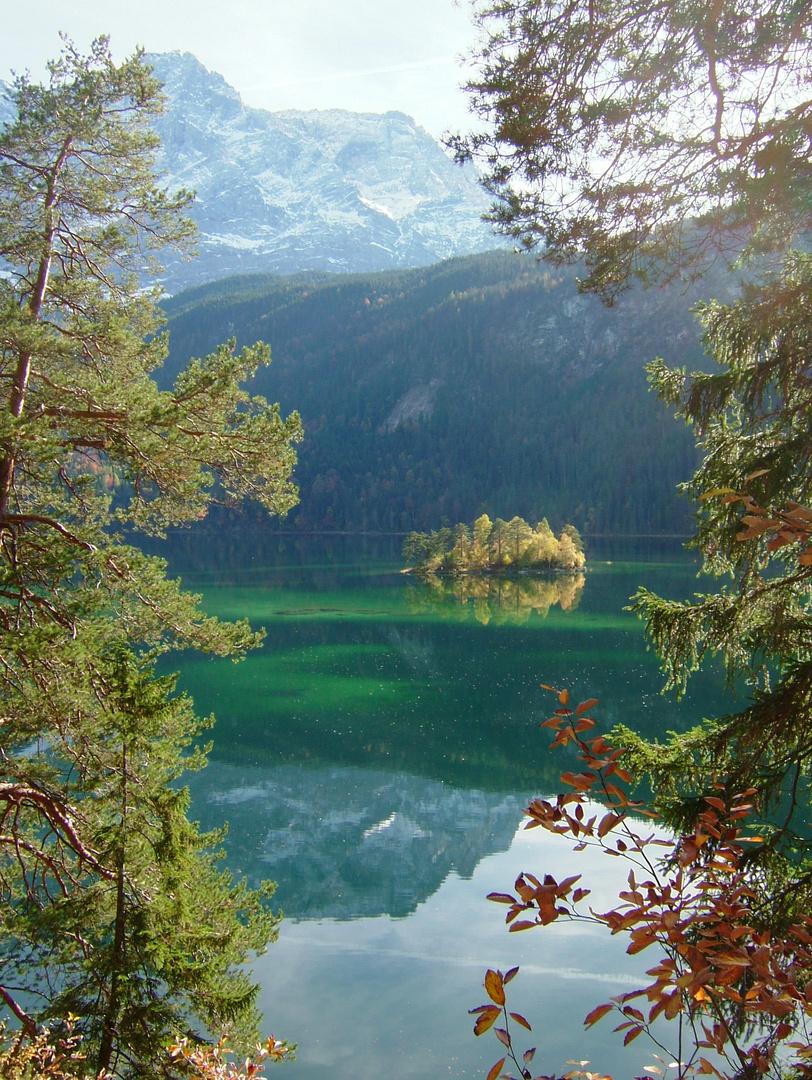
x,y
650,140
644,137
112,904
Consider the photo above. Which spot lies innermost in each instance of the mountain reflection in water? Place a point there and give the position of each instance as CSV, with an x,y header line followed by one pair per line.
x,y
344,843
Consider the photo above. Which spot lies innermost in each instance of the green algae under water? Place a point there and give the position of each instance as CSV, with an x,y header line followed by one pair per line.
x,y
373,758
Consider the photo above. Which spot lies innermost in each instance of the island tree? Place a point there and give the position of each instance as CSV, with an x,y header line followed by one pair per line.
x,y
494,546
113,906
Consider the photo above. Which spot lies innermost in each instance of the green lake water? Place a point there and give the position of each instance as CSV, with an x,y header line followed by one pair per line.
x,y
373,759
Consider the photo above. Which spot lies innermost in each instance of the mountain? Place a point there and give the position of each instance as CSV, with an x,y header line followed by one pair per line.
x,y
321,190
483,384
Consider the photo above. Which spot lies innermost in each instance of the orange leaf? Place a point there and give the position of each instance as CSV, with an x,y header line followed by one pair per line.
x,y
717,803
673,1007
564,696
523,924
596,1014
486,1019
514,971
494,986
497,1068
632,1033
591,703
521,1020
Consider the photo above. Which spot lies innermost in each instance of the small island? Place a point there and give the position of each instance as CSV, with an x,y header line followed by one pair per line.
x,y
494,547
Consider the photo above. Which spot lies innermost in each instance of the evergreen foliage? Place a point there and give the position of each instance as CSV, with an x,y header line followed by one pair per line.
x,y
113,907
753,419
654,138
481,385
494,546
647,137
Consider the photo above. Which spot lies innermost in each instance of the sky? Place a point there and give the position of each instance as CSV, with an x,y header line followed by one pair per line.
x,y
363,55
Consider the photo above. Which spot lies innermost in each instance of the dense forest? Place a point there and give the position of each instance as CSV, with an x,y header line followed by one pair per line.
x,y
482,385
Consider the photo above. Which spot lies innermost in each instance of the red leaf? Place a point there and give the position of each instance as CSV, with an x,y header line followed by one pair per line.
x,y
514,971
501,898
521,1020
631,1034
502,1036
584,725
718,804
608,823
524,924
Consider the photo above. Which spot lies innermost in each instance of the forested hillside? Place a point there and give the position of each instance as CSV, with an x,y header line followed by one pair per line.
x,y
483,384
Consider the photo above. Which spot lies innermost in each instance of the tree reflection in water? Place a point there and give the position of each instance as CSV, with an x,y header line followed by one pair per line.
x,y
496,598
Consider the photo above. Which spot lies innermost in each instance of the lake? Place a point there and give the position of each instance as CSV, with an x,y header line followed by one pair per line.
x,y
374,758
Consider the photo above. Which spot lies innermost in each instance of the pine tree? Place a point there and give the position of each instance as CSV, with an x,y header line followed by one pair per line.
x,y
753,417
646,137
113,907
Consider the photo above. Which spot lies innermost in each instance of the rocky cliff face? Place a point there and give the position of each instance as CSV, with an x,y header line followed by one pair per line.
x,y
322,190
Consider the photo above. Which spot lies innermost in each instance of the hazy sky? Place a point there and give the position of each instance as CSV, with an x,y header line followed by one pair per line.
x,y
365,55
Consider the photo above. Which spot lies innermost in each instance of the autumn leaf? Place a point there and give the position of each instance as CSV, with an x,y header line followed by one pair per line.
x,y
523,924
497,1068
608,823
486,1019
589,704
520,1020
494,986
598,1013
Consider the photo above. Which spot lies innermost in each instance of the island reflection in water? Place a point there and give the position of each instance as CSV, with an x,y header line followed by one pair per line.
x,y
496,598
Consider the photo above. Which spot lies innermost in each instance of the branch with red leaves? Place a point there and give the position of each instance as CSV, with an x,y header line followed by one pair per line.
x,y
691,902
